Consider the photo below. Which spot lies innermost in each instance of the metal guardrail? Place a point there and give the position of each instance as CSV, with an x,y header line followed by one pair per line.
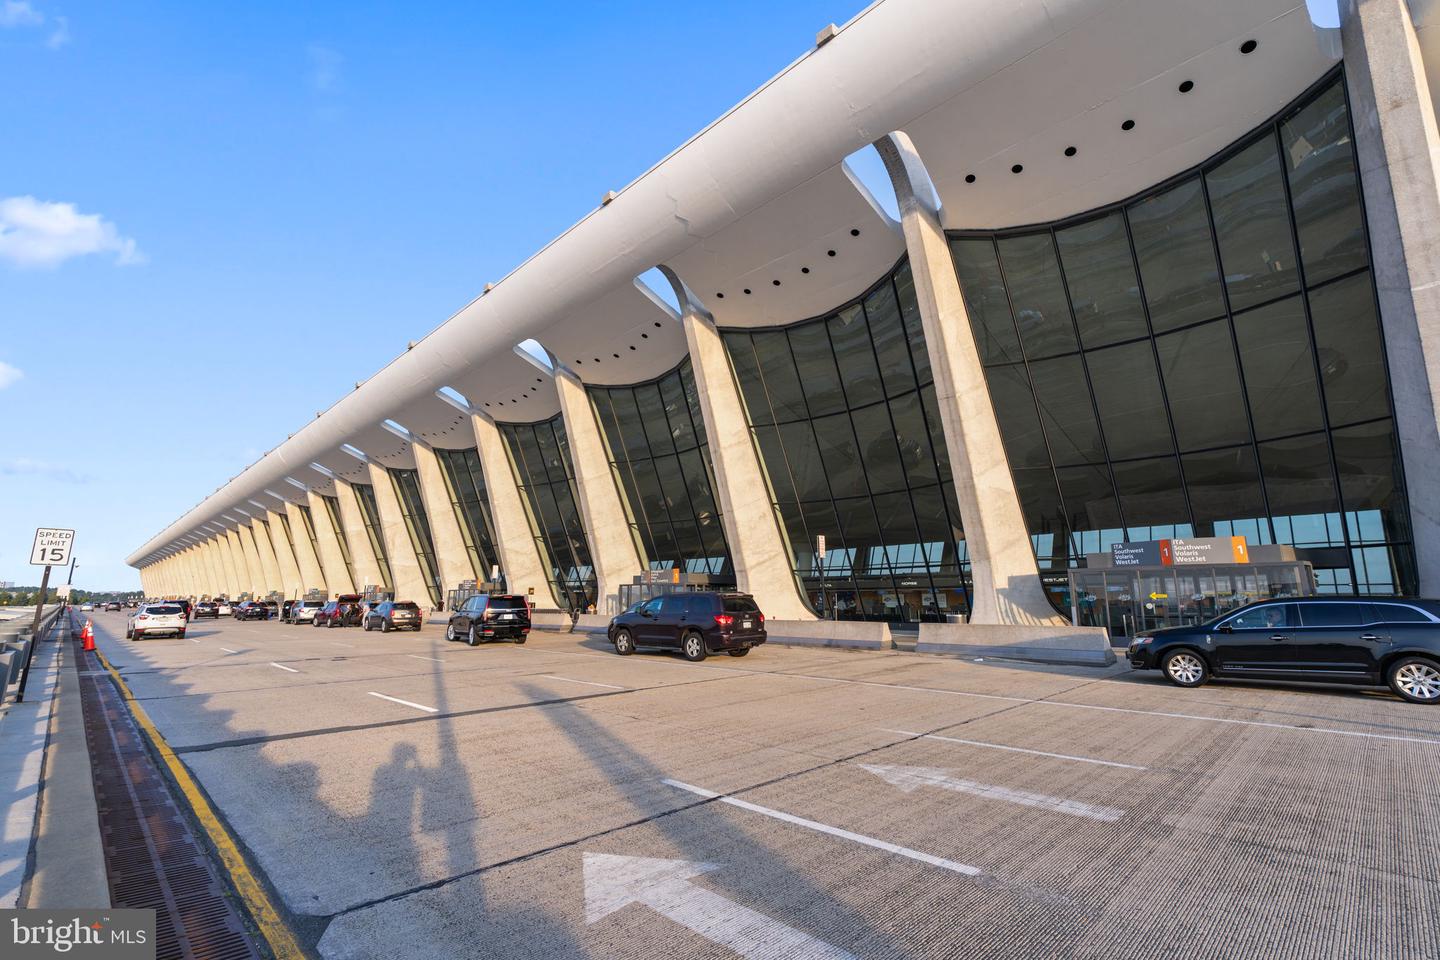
x,y
17,649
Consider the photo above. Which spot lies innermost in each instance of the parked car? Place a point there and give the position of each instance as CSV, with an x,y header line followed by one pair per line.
x,y
252,610
393,615
697,624
154,618
112,606
303,611
206,609
272,607
1391,642
490,617
224,608
343,611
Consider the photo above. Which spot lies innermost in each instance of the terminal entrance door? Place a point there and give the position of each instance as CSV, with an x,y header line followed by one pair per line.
x,y
1131,600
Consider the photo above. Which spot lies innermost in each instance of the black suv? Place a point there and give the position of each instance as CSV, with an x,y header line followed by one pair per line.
x,y
1394,641
696,624
489,616
393,615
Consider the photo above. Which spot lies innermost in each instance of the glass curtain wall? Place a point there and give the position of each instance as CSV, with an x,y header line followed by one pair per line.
x,y
370,514
417,524
1203,360
540,455
465,482
842,411
332,510
660,455
309,522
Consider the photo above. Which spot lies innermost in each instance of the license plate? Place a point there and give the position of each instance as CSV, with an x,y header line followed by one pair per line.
x,y
507,616
746,624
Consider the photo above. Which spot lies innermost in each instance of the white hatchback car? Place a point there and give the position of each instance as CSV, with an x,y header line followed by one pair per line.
x,y
153,618
224,608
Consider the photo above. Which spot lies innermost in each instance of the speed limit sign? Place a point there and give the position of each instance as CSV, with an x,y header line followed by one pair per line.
x,y
52,547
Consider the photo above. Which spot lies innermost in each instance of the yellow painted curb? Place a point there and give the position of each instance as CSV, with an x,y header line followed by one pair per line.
x,y
275,931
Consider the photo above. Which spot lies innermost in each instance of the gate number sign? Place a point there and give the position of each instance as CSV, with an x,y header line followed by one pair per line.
x,y
52,547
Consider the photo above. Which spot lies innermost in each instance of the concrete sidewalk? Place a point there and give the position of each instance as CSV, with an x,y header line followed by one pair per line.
x,y
45,782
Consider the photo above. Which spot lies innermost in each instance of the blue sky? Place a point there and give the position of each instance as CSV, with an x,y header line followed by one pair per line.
x,y
215,218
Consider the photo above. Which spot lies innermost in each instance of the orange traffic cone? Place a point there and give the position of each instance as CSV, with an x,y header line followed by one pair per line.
x,y
88,635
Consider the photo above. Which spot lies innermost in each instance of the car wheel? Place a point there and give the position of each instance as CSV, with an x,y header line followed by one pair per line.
x,y
1415,679
329,624
521,639
384,626
129,635
624,643
1185,668
692,648
180,634
366,625
473,638
138,634
449,633
740,653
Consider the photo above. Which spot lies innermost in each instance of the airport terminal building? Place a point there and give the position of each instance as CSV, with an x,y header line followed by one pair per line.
x,y
1156,271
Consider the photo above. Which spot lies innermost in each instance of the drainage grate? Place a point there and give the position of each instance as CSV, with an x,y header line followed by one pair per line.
x,y
152,858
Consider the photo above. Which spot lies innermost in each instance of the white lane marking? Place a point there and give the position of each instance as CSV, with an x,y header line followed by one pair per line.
x,y
417,706
1001,746
337,643
228,650
591,683
613,882
283,667
931,859
418,657
909,779
192,639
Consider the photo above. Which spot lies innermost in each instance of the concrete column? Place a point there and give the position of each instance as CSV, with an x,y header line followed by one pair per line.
x,y
294,586
332,560
228,561
613,549
405,566
308,562
266,551
215,582
450,554
182,573
1005,581
195,579
362,555
1398,148
255,574
758,551
521,562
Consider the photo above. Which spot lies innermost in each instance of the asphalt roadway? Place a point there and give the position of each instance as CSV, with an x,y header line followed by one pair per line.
x,y
407,797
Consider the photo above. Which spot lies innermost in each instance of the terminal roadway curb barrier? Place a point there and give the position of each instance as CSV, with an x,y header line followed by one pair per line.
x,y
278,936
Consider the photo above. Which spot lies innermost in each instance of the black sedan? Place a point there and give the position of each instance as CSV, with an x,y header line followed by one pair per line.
x,y
252,610
1390,642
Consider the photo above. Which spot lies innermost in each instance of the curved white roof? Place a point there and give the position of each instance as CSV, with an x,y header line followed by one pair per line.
x,y
761,192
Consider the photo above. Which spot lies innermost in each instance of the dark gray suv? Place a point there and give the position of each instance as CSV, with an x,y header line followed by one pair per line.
x,y
696,624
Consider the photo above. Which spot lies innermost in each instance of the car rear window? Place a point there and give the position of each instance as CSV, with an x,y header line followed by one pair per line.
x,y
740,605
406,606
1335,614
507,603
1398,613
162,610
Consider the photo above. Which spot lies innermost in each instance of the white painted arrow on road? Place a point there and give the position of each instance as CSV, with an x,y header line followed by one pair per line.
x,y
912,778
613,882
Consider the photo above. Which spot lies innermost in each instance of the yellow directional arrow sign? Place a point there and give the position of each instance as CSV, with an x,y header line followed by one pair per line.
x,y
1159,596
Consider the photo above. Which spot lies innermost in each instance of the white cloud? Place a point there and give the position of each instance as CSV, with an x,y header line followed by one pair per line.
x,y
9,374
324,67
24,466
36,233
19,13
60,35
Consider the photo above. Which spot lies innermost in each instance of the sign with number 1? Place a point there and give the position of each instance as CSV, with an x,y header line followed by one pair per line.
x,y
52,547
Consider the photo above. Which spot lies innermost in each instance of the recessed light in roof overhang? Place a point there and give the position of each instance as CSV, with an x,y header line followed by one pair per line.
x,y
1186,86
1128,125
1248,46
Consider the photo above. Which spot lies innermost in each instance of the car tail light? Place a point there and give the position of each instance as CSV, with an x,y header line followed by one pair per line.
x,y
760,615
724,619
142,617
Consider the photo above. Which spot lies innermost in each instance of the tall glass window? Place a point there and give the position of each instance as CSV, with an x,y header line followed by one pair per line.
x,y
660,456
465,481
540,455
1203,360
417,524
842,411
309,522
370,514
332,510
